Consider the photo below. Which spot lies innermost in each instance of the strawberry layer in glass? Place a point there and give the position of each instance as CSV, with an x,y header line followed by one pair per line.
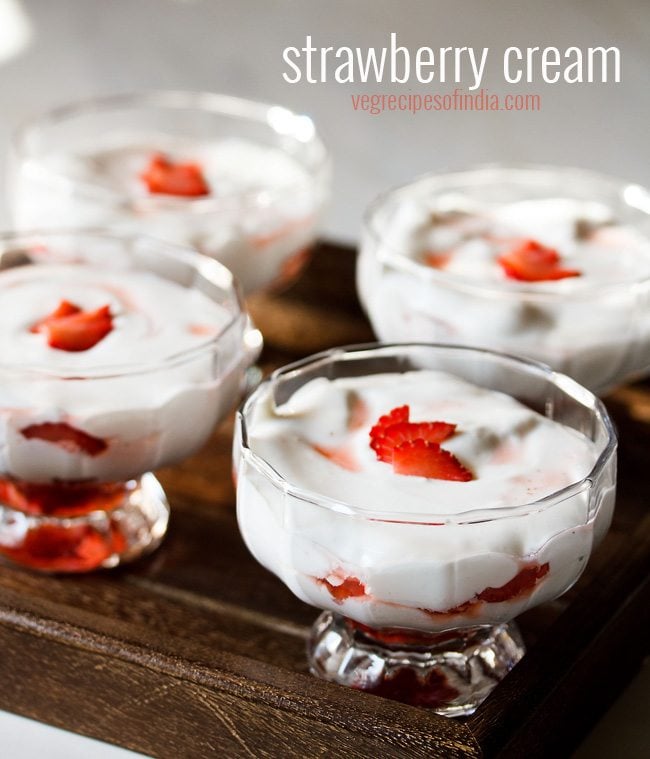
x,y
551,264
406,503
238,181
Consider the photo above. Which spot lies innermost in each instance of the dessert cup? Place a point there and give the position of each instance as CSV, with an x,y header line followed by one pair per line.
x,y
594,326
419,606
80,166
82,426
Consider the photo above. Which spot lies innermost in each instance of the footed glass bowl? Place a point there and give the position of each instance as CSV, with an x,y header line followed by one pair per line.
x,y
419,607
594,327
81,165
91,403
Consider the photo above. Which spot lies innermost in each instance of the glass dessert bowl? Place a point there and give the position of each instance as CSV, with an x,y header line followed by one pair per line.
x,y
544,262
423,496
119,356
240,181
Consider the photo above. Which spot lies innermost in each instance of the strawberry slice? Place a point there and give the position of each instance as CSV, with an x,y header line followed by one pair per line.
x,y
67,437
164,177
530,261
521,584
399,414
431,432
68,328
421,459
65,308
351,587
77,548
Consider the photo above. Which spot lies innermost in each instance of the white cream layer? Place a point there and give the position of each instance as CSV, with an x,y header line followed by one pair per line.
x,y
153,318
515,454
585,234
147,419
230,166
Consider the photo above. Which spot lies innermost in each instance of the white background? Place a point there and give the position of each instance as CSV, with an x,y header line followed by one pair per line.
x,y
52,51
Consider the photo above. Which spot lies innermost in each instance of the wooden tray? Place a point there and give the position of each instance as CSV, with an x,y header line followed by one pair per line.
x,y
199,652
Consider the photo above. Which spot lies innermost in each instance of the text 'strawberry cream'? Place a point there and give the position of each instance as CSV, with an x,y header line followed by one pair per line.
x,y
118,356
239,181
424,496
548,263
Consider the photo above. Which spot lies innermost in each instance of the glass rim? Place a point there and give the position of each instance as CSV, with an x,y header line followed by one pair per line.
x,y
209,102
471,515
212,269
640,201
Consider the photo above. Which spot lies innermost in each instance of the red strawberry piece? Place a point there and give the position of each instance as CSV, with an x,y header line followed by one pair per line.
x,y
68,328
78,548
61,499
421,459
65,308
351,587
399,414
164,177
530,261
437,260
410,687
431,432
65,436
521,584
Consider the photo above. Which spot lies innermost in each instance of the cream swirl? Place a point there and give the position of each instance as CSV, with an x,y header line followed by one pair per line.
x,y
153,318
516,455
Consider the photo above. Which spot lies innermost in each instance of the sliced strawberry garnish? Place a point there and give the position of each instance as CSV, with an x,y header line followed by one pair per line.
x,y
421,459
65,436
65,308
68,328
164,177
432,432
530,261
399,414
413,448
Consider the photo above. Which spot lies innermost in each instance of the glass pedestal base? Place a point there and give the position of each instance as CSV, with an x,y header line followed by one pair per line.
x,y
450,672
78,527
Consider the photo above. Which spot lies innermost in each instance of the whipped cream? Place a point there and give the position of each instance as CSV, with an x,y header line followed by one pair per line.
x,y
258,219
409,555
148,393
468,240
153,318
230,166
430,271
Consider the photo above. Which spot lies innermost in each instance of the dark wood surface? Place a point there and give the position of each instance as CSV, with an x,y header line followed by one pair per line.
x,y
198,652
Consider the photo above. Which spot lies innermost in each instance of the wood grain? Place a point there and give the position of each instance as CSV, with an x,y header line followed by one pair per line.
x,y
198,652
